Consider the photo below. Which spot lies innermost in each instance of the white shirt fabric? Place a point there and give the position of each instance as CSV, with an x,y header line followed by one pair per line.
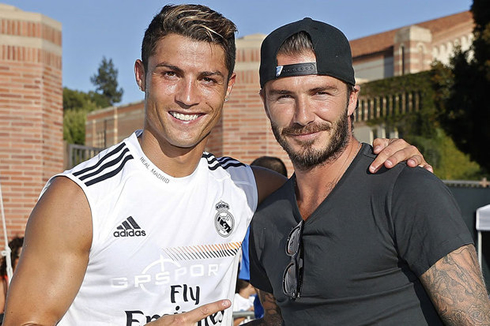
x,y
242,304
161,245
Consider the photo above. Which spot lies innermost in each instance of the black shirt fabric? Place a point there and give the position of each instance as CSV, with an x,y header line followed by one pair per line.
x,y
364,247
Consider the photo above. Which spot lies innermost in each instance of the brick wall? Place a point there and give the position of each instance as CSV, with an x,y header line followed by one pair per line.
x,y
245,131
111,125
31,112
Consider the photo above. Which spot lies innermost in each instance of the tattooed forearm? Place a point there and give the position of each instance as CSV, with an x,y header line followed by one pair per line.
x,y
272,313
456,287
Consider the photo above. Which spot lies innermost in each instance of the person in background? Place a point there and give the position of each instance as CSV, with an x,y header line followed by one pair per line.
x,y
337,244
15,246
243,300
149,230
272,163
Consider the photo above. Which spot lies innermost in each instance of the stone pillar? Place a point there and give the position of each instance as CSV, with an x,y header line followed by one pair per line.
x,y
412,50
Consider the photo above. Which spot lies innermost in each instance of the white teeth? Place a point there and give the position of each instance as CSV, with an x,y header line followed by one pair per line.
x,y
184,117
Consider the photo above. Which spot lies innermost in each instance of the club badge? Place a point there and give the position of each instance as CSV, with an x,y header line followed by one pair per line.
x,y
224,220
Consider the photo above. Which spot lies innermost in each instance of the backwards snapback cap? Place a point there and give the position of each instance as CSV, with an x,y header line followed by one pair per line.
x,y
332,51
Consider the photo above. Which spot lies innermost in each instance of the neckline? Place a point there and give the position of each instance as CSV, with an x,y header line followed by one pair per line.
x,y
333,191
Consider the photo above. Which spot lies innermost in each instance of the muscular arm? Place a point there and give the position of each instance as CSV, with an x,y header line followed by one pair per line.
x,y
54,257
455,286
272,312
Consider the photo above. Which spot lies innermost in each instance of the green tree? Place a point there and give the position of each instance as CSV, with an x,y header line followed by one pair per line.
x,y
421,127
105,82
464,107
74,126
76,100
76,105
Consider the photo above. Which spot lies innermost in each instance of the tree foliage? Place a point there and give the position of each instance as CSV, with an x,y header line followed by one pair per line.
x,y
421,127
464,108
105,82
76,105
74,126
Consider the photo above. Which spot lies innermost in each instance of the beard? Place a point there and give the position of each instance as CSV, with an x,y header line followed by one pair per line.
x,y
307,157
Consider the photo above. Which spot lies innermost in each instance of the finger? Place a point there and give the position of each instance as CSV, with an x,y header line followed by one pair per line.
x,y
429,168
418,160
387,155
397,151
379,144
425,165
195,315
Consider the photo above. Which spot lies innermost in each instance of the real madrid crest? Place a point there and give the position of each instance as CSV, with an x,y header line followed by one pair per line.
x,y
223,220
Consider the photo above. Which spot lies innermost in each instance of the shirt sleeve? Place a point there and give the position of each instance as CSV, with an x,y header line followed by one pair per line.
x,y
426,219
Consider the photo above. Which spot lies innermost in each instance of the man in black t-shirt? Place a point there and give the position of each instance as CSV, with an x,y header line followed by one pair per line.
x,y
337,244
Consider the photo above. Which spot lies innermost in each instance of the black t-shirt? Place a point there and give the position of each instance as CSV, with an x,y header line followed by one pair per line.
x,y
365,247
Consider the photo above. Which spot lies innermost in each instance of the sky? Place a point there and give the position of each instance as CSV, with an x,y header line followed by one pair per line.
x,y
92,29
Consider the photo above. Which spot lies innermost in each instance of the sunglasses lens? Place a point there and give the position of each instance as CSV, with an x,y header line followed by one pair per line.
x,y
290,284
290,279
293,241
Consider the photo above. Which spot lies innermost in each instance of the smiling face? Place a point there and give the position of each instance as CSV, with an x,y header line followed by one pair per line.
x,y
309,114
185,87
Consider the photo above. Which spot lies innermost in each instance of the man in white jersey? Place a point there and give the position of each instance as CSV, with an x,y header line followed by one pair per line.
x,y
149,230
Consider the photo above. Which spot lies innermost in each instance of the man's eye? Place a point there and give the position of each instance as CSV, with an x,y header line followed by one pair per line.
x,y
321,93
209,80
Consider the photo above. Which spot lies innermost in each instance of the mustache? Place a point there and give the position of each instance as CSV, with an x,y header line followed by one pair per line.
x,y
295,130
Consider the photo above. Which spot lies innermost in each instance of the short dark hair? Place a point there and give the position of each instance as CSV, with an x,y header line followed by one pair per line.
x,y
240,285
197,22
296,44
15,244
271,163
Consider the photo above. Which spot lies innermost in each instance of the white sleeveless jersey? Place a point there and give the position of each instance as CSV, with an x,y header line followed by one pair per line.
x,y
161,245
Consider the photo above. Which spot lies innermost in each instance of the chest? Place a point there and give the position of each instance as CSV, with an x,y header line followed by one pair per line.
x,y
346,252
168,234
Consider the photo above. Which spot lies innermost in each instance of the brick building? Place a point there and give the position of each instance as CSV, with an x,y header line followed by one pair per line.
x,y
407,50
244,131
411,49
31,112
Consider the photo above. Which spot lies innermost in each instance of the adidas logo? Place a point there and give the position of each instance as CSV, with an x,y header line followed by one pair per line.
x,y
129,228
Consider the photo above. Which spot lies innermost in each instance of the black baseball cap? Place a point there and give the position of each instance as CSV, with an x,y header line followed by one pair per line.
x,y
332,51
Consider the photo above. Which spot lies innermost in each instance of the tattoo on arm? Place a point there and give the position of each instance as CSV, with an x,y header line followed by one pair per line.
x,y
456,287
272,312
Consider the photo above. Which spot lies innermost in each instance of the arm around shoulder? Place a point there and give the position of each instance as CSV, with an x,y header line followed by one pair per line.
x,y
54,257
267,181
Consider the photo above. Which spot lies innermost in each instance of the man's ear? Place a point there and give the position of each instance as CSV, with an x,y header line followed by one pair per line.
x,y
231,83
139,74
264,102
354,95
